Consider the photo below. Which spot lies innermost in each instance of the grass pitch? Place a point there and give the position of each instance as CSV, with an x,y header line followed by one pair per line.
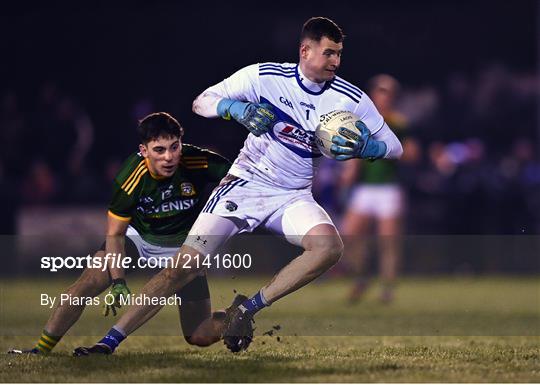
x,y
438,329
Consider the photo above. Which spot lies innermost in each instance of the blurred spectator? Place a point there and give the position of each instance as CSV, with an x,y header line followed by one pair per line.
x,y
13,135
110,170
40,185
65,136
520,172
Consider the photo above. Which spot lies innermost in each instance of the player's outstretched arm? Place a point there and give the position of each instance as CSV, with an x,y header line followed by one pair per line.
x,y
258,118
206,103
237,97
115,247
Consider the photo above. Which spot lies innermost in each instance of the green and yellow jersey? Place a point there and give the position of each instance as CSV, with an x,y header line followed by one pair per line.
x,y
384,171
162,210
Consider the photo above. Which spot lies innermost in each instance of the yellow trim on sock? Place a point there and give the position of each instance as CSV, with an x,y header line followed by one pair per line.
x,y
49,339
45,346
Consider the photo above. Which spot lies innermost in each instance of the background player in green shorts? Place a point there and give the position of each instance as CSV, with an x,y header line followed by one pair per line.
x,y
155,201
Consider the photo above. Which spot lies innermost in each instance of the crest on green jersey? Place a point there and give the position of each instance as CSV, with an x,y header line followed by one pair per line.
x,y
187,189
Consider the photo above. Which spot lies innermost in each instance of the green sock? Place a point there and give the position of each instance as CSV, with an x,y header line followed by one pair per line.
x,y
47,342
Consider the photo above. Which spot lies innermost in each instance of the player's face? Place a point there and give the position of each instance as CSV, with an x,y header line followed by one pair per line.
x,y
163,155
383,98
320,60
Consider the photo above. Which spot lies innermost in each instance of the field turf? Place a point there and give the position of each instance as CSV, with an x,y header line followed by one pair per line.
x,y
449,329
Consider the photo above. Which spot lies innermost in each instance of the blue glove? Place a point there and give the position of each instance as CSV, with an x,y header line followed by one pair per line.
x,y
363,146
257,118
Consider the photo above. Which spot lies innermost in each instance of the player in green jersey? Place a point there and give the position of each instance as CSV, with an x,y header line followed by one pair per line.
x,y
156,199
377,198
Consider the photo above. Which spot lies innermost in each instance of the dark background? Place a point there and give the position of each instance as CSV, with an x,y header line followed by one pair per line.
x,y
110,55
113,63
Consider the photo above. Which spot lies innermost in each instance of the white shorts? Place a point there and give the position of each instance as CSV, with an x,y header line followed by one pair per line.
x,y
156,255
379,201
248,205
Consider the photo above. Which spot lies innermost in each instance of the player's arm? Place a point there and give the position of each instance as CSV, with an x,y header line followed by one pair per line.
x,y
218,167
115,247
348,175
121,207
394,149
237,98
115,242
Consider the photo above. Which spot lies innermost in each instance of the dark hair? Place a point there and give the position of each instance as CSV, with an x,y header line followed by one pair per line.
x,y
318,27
383,82
159,124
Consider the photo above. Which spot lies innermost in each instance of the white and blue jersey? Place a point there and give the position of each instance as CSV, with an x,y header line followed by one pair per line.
x,y
287,155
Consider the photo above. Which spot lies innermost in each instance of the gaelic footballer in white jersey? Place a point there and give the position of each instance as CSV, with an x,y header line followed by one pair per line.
x,y
287,156
275,169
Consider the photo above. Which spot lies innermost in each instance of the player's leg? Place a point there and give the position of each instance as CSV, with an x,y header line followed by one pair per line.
x,y
389,230
200,326
355,230
215,230
91,283
304,223
322,249
207,234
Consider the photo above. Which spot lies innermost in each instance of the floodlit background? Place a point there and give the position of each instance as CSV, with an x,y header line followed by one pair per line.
x,y
464,306
75,80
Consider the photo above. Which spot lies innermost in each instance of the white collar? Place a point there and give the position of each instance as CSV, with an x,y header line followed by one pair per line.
x,y
312,86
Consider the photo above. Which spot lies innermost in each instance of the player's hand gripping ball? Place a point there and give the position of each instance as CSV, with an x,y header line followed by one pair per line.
x,y
341,135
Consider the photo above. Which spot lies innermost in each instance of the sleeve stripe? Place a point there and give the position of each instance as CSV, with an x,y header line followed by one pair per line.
x,y
123,219
133,174
136,179
341,91
144,171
